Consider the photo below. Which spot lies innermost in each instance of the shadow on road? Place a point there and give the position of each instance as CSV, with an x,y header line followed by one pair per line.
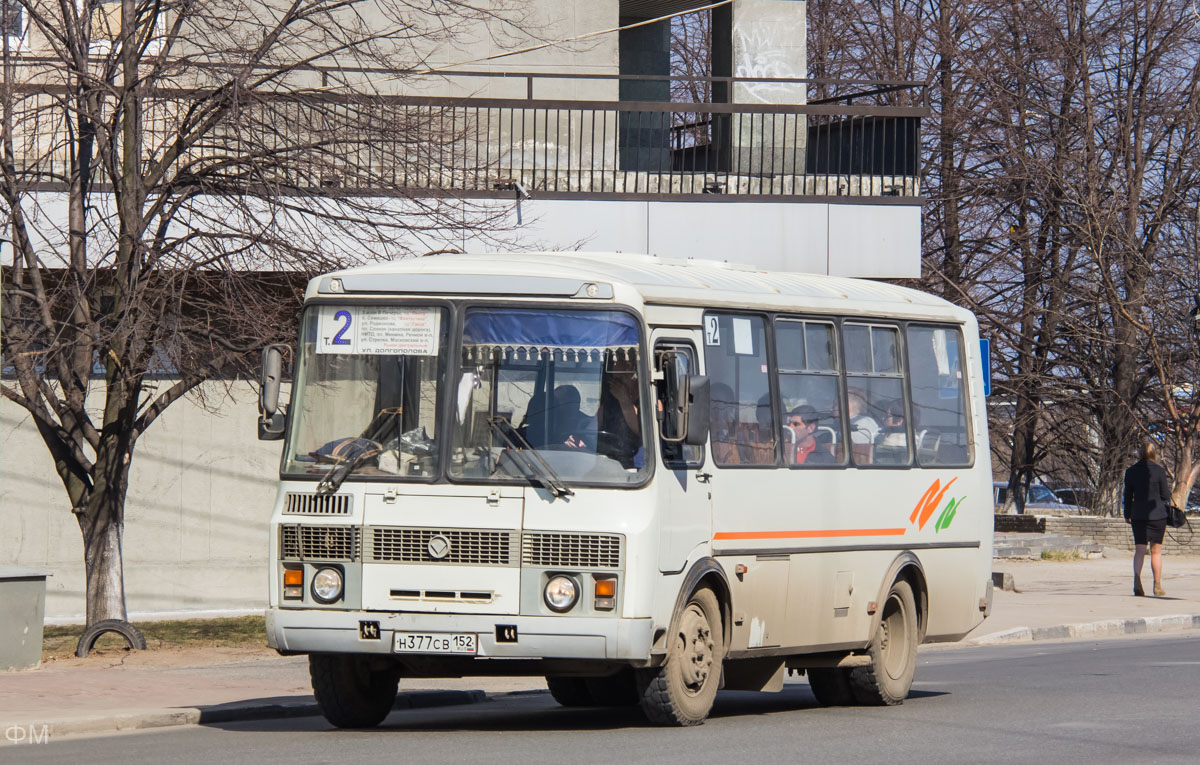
x,y
538,712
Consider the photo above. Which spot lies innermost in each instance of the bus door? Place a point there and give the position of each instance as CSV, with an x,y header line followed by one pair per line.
x,y
684,497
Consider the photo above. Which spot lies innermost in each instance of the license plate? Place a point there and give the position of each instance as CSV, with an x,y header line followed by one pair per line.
x,y
434,642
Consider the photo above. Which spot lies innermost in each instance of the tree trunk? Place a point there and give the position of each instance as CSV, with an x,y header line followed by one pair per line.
x,y
102,528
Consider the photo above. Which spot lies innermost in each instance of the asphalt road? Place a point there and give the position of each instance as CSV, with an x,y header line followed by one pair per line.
x,y
1108,701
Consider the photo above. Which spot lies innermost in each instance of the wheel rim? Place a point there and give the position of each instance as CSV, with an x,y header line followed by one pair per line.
x,y
893,638
694,647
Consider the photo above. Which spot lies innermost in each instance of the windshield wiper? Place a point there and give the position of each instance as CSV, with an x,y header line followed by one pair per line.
x,y
532,464
332,480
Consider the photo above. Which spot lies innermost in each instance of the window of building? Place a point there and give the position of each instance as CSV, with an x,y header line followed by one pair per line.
x,y
744,430
12,18
878,426
938,385
809,392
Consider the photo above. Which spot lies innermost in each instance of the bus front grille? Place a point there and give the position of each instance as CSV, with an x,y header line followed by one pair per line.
x,y
298,542
311,503
571,550
473,547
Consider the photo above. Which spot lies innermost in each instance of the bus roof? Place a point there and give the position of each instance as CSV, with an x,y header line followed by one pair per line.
x,y
658,281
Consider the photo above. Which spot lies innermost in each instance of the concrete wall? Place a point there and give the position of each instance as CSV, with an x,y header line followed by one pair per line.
x,y
882,241
202,488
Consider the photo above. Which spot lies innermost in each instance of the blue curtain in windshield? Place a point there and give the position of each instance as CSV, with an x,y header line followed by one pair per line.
x,y
554,329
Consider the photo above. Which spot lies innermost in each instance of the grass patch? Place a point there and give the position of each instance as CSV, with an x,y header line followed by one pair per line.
x,y
60,642
1060,555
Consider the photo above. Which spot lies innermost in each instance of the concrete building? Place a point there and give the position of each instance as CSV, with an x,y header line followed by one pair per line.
x,y
597,150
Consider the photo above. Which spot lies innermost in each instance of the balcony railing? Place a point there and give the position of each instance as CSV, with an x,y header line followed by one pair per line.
x,y
861,144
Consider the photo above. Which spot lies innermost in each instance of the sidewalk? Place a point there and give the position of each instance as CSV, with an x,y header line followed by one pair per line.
x,y
120,692
1090,598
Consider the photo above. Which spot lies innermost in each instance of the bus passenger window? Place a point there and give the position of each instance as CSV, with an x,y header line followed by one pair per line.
x,y
743,429
810,395
939,393
878,424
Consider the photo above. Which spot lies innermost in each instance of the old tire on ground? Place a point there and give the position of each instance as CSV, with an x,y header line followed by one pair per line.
x,y
87,641
570,691
682,690
351,692
619,690
893,651
831,686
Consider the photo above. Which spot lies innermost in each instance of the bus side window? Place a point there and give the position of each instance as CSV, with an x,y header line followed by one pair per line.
x,y
744,430
879,425
810,393
939,393
677,455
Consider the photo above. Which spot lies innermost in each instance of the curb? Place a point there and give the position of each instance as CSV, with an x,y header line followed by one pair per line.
x,y
232,712
1089,630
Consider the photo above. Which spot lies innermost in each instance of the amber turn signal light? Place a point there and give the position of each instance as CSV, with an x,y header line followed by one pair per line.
x,y
606,588
293,577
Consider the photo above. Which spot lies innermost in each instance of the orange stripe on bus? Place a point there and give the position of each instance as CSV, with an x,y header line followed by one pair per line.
x,y
808,534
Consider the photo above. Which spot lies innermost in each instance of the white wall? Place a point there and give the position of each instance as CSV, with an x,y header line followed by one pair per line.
x,y
201,491
882,241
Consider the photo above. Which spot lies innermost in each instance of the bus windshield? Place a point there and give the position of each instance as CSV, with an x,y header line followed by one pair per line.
x,y
564,384
369,380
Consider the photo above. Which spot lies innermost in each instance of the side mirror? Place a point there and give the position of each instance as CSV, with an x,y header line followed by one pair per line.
x,y
685,402
696,417
271,418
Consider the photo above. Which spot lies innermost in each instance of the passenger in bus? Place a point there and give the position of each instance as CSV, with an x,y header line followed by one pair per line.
x,y
620,429
804,449
762,437
863,428
891,443
726,448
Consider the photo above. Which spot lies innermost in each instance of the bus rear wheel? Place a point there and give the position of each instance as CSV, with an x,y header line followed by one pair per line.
x,y
887,680
351,691
682,690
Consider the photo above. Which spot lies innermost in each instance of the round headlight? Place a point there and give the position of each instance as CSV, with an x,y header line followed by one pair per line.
x,y
561,593
327,585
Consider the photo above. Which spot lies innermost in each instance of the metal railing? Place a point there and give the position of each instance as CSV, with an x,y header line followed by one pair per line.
x,y
862,143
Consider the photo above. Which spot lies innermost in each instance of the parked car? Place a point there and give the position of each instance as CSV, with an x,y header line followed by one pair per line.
x,y
1084,496
1039,500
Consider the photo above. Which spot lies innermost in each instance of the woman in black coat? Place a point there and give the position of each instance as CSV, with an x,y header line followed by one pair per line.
x,y
1147,496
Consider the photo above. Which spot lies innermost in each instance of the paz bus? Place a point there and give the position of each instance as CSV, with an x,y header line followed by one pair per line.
x,y
643,479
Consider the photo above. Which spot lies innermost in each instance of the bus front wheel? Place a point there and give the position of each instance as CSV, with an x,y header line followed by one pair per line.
x,y
888,678
350,691
682,690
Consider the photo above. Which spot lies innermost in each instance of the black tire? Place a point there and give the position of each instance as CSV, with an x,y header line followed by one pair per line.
x,y
87,641
682,690
352,693
831,686
570,691
893,651
619,690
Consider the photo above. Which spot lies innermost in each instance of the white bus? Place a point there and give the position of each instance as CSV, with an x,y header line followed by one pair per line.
x,y
643,479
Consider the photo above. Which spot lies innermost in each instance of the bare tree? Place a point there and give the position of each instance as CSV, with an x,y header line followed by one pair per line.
x,y
172,172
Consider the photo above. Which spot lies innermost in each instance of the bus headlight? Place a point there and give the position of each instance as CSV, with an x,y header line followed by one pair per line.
x,y
561,593
327,585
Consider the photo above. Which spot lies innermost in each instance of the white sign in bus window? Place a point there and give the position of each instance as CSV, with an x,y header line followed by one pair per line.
x,y
743,337
379,330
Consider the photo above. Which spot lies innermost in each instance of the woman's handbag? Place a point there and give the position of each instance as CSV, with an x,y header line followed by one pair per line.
x,y
1175,517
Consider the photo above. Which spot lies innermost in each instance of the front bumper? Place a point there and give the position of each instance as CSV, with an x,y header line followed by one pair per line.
x,y
539,637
